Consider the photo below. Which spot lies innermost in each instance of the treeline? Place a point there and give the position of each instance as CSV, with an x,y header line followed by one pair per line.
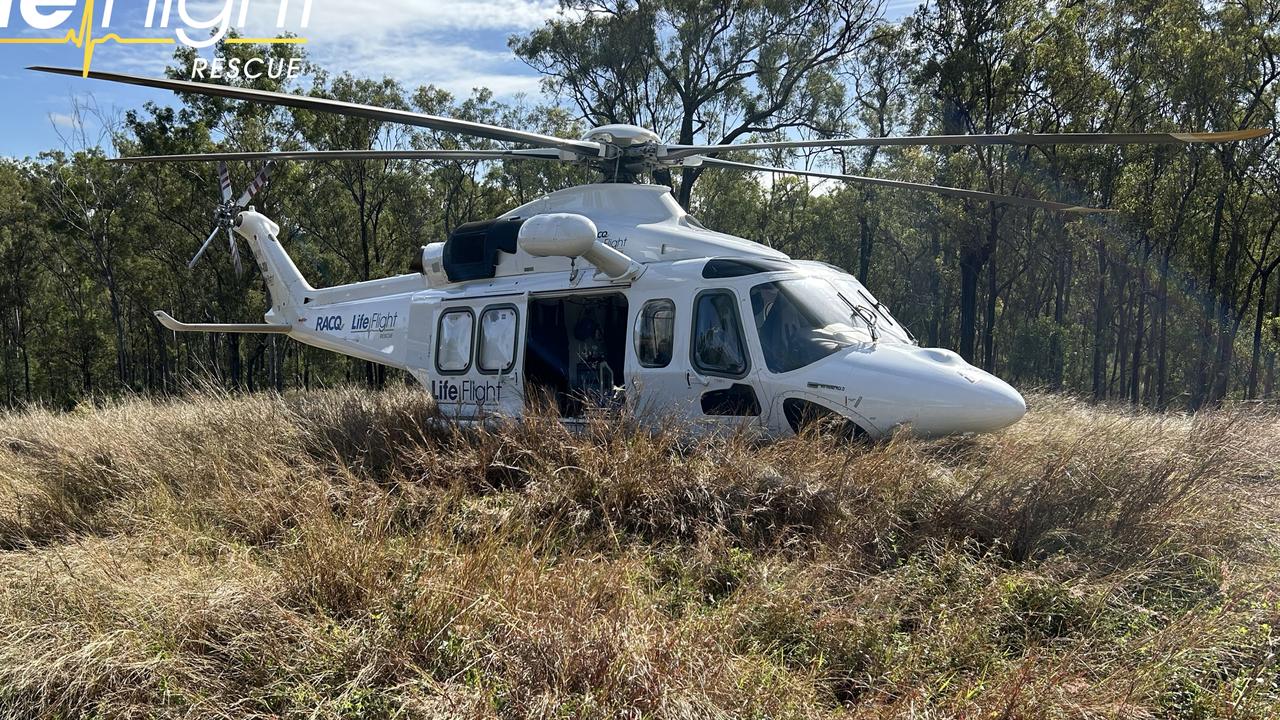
x,y
1170,302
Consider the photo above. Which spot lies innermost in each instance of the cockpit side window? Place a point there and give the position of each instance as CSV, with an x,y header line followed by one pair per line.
x,y
718,347
800,322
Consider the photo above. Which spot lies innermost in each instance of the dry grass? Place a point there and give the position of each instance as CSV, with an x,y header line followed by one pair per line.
x,y
336,555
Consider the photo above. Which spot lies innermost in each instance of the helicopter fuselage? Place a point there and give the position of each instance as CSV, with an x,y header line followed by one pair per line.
x,y
704,328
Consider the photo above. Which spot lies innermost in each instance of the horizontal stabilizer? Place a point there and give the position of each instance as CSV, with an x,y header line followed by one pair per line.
x,y
168,321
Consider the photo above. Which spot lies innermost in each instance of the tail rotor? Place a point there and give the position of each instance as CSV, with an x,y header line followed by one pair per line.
x,y
224,216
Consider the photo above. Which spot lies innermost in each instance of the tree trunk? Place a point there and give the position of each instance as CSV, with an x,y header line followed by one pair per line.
x,y
1227,325
1100,320
1201,390
1119,382
1135,366
970,268
1269,386
117,320
1251,388
1162,359
989,256
233,360
935,289
864,248
989,325
163,355
1060,296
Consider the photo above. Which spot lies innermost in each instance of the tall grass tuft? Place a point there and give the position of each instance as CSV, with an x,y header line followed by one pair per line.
x,y
348,554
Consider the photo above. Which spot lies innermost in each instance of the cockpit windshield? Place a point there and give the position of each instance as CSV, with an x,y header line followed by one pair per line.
x,y
855,294
802,321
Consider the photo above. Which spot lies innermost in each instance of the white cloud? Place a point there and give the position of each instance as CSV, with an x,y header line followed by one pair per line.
x,y
455,67
380,17
64,120
137,59
414,41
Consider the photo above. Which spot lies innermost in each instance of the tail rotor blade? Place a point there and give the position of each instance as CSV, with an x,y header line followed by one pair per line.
x,y
203,247
224,179
258,183
235,253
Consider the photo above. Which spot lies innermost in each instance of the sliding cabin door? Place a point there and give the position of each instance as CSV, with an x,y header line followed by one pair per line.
x,y
476,355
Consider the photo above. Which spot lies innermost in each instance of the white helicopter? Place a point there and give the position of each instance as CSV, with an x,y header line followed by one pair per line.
x,y
610,295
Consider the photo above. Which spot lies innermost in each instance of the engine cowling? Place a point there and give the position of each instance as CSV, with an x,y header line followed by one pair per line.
x,y
429,261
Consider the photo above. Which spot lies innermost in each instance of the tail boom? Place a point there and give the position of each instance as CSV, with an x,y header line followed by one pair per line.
x,y
366,320
288,289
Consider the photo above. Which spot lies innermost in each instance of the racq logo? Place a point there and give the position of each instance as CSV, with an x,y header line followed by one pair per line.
x,y
195,23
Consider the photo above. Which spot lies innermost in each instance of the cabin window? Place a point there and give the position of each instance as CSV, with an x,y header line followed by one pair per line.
x,y
655,333
739,399
498,339
718,348
453,343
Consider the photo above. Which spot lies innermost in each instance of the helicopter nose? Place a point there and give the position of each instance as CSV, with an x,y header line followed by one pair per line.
x,y
932,391
994,404
970,399
965,399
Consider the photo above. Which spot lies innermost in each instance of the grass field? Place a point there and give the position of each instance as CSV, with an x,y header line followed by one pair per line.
x,y
332,555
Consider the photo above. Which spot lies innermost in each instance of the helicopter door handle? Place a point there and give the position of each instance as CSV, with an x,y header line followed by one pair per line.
x,y
689,378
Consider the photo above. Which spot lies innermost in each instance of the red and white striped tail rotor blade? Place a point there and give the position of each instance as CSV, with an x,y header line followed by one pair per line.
x,y
224,180
235,253
259,182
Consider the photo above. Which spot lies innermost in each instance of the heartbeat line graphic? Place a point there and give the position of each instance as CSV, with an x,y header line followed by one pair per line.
x,y
84,39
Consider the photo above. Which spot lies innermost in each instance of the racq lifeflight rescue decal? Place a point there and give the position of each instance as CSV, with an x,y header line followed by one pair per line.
x,y
358,325
86,24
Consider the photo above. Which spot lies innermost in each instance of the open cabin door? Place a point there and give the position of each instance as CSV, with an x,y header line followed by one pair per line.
x,y
468,353
575,354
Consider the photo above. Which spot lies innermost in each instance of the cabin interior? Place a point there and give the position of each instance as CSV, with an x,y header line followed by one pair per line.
x,y
576,351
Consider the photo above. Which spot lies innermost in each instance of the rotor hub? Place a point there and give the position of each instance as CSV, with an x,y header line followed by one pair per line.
x,y
622,136
627,151
224,215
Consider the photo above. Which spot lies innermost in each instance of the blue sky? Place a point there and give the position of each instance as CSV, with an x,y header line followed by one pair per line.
x,y
456,44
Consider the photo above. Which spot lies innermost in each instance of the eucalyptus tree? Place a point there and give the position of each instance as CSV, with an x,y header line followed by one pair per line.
x,y
975,64
90,203
879,77
709,70
21,246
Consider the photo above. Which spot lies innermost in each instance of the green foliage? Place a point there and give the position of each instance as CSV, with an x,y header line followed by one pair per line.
x,y
1171,302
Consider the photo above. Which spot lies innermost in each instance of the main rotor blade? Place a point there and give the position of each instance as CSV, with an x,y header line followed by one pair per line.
x,y
902,185
259,182
203,247
680,151
305,102
540,154
224,179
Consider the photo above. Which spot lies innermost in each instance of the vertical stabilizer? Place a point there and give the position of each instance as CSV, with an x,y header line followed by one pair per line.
x,y
286,285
